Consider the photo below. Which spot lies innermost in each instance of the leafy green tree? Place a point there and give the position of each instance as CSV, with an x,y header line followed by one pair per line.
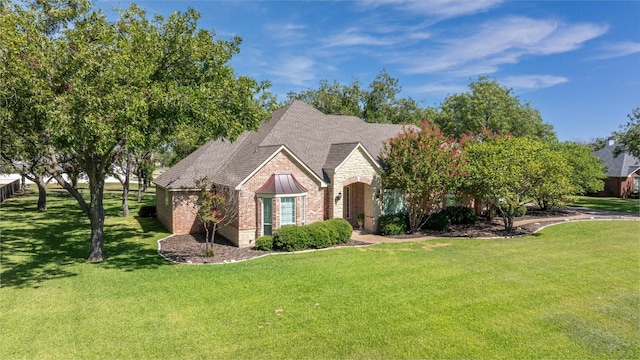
x,y
216,206
509,172
587,172
490,106
423,166
118,83
377,104
629,135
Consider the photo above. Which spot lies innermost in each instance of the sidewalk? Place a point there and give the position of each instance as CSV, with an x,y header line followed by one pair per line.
x,y
585,214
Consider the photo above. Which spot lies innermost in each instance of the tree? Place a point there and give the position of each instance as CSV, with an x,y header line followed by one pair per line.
x,y
629,135
491,106
423,166
216,206
119,83
377,104
509,172
587,171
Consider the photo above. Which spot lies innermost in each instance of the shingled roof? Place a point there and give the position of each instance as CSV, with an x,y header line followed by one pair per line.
x,y
319,141
622,165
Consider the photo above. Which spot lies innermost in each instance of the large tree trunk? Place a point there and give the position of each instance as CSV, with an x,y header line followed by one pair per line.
x,y
42,193
96,216
125,187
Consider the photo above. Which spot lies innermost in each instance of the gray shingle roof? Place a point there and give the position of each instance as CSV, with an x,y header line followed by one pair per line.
x,y
318,140
621,166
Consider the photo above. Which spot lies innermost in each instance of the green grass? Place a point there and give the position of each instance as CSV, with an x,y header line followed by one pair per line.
x,y
572,291
608,203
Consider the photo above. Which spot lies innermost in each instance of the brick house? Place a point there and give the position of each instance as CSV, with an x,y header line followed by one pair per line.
x,y
301,166
623,172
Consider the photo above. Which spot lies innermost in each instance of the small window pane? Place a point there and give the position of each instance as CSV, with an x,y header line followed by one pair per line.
x,y
287,210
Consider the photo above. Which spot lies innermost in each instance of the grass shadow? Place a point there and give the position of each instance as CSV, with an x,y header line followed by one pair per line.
x,y
41,246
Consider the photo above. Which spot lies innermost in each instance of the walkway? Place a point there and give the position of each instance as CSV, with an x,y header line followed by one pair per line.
x,y
584,214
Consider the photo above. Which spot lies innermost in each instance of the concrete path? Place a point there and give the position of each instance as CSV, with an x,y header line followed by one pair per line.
x,y
584,214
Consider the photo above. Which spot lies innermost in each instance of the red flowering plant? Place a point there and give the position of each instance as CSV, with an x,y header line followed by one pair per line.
x,y
216,206
423,165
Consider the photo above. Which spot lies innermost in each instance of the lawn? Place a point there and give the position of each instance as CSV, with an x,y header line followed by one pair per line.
x,y
608,203
571,291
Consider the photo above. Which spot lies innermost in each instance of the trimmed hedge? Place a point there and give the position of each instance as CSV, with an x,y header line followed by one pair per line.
x,y
393,224
264,243
316,235
460,215
147,211
438,221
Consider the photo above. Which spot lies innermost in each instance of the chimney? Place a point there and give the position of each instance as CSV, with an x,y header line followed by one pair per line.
x,y
610,142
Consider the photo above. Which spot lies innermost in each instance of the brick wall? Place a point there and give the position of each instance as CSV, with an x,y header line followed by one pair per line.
x,y
251,205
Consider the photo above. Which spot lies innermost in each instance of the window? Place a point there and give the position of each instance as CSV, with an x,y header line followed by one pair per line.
x,y
347,202
287,210
636,185
304,210
266,216
393,202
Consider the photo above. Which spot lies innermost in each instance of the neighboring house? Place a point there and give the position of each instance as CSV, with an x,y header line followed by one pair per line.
x,y
623,172
300,167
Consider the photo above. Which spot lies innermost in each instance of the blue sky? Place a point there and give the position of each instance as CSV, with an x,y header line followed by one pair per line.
x,y
578,62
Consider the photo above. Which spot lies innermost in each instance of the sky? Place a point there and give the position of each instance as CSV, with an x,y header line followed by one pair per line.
x,y
577,62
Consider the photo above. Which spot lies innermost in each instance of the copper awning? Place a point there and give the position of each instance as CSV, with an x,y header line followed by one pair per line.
x,y
281,184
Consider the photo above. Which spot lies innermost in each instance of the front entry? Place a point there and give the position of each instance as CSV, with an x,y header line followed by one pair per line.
x,y
354,202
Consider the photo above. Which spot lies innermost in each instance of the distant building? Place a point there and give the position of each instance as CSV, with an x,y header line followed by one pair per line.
x,y
623,172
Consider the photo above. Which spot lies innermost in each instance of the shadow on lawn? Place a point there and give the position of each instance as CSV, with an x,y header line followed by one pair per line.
x,y
37,247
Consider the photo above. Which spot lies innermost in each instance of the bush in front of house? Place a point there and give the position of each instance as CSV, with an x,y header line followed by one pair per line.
x,y
343,228
320,235
291,238
316,235
392,224
147,211
264,243
438,221
460,215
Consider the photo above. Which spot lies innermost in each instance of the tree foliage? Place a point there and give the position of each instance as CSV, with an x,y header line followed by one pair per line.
x,y
97,88
586,170
509,172
423,166
490,106
379,103
629,134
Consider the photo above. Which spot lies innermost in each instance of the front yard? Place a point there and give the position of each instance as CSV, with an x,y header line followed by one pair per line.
x,y
570,291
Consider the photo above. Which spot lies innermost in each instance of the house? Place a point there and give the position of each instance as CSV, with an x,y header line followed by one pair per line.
x,y
623,172
301,166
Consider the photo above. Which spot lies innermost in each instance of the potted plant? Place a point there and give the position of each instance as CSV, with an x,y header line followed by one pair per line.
x,y
360,218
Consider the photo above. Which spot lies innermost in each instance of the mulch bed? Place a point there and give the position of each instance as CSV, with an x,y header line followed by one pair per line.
x,y
190,248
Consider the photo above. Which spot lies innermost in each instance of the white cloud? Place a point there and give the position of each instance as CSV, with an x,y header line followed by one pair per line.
x,y
529,82
286,32
437,89
354,37
439,8
620,49
295,70
505,41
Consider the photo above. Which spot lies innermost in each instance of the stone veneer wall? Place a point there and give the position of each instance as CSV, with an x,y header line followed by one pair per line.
x,y
357,168
250,225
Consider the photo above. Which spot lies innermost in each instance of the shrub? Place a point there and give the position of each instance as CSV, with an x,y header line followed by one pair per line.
x,y
399,222
320,235
264,243
147,211
460,215
343,228
438,221
392,229
520,211
210,253
291,238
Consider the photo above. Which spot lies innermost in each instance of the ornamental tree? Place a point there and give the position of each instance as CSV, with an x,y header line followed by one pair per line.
x,y
423,165
101,87
216,206
509,172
